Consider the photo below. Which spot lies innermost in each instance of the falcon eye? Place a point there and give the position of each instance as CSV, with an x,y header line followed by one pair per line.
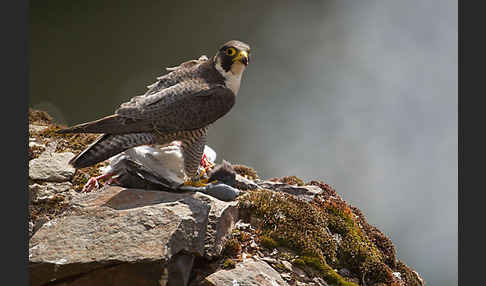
x,y
230,52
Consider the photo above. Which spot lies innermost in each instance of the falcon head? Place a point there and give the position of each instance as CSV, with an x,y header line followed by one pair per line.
x,y
231,60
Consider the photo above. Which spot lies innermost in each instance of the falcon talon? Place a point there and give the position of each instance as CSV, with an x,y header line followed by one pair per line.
x,y
198,183
93,182
179,106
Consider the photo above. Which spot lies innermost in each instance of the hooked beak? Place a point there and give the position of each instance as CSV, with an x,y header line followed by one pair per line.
x,y
242,57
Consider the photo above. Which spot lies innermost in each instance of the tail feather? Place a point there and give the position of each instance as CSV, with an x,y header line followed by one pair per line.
x,y
112,124
108,145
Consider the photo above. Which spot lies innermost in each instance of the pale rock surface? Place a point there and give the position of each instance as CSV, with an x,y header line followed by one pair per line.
x,y
51,166
248,272
46,190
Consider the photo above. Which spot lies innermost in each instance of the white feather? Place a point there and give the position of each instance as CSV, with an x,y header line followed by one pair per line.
x,y
164,160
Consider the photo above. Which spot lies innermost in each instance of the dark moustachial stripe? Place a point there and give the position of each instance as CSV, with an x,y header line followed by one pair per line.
x,y
226,62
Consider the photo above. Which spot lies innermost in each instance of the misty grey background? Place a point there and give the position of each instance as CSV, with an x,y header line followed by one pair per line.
x,y
360,94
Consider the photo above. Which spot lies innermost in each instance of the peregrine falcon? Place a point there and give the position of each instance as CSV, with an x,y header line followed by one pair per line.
x,y
180,105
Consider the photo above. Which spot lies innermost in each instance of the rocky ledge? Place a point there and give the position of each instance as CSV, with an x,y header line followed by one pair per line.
x,y
280,231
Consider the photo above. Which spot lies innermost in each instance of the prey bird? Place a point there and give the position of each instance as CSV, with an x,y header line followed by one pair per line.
x,y
180,105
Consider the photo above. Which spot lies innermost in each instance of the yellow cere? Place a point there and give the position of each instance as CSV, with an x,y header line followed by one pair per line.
x,y
241,55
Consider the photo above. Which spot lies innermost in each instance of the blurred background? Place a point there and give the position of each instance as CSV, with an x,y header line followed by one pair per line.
x,y
359,94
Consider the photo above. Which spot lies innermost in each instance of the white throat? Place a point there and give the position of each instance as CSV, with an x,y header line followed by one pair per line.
x,y
232,78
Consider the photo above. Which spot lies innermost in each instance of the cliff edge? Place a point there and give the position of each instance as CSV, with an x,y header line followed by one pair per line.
x,y
279,231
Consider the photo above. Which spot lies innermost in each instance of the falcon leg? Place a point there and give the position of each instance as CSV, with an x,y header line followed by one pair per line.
x,y
192,151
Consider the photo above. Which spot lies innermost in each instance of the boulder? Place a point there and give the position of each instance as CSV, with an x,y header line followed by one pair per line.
x,y
117,230
51,166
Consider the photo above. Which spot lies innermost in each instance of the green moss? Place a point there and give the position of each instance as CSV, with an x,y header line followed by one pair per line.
x,y
228,264
326,272
290,222
268,242
303,227
232,248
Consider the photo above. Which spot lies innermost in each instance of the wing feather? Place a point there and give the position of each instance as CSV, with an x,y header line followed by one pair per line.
x,y
185,106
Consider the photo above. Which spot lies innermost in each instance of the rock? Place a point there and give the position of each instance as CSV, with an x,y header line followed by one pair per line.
x,y
51,166
221,220
36,128
243,183
241,225
287,265
47,190
292,268
248,272
31,228
270,260
344,272
33,143
119,230
299,272
179,269
307,193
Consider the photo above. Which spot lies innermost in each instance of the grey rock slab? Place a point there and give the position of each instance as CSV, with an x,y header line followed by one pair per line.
x,y
244,184
306,193
248,272
179,269
51,166
116,226
221,220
